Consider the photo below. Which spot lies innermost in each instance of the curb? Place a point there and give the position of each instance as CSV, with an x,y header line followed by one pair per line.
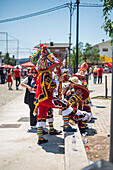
x,y
75,159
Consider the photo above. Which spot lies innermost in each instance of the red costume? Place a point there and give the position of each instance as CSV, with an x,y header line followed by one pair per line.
x,y
46,62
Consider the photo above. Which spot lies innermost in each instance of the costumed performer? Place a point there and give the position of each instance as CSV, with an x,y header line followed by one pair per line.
x,y
44,93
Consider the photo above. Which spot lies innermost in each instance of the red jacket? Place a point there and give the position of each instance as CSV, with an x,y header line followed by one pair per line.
x,y
100,72
45,87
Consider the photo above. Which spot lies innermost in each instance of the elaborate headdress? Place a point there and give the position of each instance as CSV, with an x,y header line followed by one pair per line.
x,y
80,76
83,68
44,59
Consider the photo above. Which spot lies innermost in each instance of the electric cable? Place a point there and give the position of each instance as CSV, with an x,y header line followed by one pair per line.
x,y
50,10
35,14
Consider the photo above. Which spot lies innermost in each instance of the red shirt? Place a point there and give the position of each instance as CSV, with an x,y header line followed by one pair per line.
x,y
100,71
17,71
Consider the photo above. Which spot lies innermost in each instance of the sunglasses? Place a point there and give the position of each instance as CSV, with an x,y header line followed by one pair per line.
x,y
34,72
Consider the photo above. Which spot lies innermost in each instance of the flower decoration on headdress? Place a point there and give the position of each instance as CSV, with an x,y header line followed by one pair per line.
x,y
34,58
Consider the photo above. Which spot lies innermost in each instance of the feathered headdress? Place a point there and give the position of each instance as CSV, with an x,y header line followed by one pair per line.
x,y
34,58
44,60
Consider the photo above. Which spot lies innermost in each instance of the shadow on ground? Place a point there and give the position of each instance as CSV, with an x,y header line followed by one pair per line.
x,y
101,107
55,144
91,132
92,120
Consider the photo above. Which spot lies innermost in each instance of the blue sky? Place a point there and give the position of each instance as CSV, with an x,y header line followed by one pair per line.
x,y
48,27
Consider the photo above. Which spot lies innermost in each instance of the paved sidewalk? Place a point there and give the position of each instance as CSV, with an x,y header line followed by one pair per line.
x,y
101,107
19,149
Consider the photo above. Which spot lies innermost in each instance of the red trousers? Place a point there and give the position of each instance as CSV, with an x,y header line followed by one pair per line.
x,y
49,103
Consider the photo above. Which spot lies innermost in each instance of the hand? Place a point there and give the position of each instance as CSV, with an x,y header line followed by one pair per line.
x,y
29,88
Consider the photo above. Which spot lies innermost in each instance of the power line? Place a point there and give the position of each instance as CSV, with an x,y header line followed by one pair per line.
x,y
35,14
50,10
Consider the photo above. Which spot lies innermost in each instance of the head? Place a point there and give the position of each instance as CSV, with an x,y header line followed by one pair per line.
x,y
9,70
33,72
17,67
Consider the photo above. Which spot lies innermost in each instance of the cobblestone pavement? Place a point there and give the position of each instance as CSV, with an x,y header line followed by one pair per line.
x,y
8,95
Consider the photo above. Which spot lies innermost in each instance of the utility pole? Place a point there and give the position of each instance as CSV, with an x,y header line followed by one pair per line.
x,y
111,129
77,35
66,57
18,52
70,35
7,55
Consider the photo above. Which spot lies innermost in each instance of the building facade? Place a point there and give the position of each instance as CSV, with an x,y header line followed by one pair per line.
x,y
59,49
105,51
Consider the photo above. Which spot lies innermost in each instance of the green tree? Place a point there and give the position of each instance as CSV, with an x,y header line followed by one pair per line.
x,y
91,54
87,51
94,56
73,55
7,59
108,22
73,59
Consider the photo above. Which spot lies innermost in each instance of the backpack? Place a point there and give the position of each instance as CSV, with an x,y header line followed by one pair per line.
x,y
95,73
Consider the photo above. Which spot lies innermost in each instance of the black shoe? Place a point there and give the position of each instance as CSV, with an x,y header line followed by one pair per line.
x,y
17,88
55,132
42,141
83,130
32,131
45,132
69,129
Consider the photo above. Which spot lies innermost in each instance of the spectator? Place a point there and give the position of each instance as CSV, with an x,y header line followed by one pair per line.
x,y
29,95
90,72
95,75
2,76
17,74
100,72
9,79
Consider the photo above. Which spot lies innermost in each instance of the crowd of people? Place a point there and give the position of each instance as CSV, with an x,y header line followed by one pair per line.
x,y
7,75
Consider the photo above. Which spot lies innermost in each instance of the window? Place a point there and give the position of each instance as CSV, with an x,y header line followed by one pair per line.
x,y
105,49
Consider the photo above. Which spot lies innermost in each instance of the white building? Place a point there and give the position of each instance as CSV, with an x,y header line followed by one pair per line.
x,y
105,51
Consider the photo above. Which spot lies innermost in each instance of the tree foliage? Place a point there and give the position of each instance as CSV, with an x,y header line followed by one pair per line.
x,y
91,54
80,55
108,22
7,59
87,54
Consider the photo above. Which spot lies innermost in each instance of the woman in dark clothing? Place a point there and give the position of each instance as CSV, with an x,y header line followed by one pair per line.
x,y
30,94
